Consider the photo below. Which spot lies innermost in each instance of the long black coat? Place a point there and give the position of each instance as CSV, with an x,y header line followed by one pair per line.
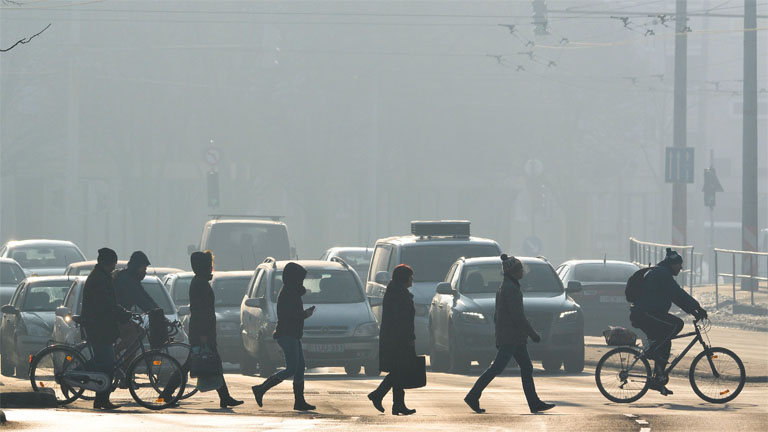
x,y
396,336
202,312
511,325
100,309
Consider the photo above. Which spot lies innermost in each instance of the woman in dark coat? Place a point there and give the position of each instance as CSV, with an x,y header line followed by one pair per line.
x,y
202,318
290,328
396,339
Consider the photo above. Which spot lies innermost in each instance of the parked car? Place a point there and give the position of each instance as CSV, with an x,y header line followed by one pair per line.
x,y
42,257
602,295
242,242
27,323
359,258
431,250
178,286
11,274
64,330
461,316
229,289
341,332
84,268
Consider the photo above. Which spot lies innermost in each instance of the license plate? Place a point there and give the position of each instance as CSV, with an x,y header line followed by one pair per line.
x,y
325,348
612,299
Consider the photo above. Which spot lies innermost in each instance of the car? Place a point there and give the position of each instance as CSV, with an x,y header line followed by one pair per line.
x,y
178,286
229,289
27,323
342,331
430,250
42,257
84,268
242,242
602,296
359,258
11,274
64,329
461,316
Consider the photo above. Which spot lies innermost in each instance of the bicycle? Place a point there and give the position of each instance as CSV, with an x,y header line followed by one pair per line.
x,y
717,375
154,378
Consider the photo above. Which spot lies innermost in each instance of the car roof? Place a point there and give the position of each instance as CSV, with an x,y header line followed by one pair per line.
x,y
497,260
311,265
337,249
37,279
9,260
166,270
92,263
412,239
612,262
244,222
39,242
231,274
184,274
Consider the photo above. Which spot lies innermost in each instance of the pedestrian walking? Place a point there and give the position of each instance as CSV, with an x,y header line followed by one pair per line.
x,y
397,340
512,333
202,316
100,318
290,328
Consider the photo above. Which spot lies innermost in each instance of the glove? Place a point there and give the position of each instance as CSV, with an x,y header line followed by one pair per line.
x,y
535,337
700,314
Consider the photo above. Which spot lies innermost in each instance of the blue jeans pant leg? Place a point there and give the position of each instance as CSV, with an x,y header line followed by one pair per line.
x,y
294,359
503,355
523,359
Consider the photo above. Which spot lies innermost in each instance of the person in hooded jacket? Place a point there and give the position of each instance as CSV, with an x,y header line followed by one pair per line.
x,y
650,313
290,328
397,339
128,289
512,333
202,315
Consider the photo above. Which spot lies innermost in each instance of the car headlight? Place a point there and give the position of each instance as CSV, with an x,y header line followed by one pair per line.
x,y
36,330
570,315
473,317
367,329
227,326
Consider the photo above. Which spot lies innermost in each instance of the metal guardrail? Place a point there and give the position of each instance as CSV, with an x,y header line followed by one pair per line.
x,y
644,253
753,275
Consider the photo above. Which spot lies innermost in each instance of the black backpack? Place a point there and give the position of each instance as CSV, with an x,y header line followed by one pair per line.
x,y
634,288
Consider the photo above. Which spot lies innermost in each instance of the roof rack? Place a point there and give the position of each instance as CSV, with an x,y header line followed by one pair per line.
x,y
442,228
226,216
340,261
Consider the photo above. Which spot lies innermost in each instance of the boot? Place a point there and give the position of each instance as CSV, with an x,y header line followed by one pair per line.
x,y
541,406
102,402
259,390
398,405
473,402
376,397
225,399
299,403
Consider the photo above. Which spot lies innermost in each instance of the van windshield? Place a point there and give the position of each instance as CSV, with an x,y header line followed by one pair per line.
x,y
431,262
243,246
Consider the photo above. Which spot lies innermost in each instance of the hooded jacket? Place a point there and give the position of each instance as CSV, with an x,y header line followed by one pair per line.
x,y
202,310
130,292
660,290
511,325
290,307
100,308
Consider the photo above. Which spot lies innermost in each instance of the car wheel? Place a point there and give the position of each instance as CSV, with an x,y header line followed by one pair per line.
x,y
352,369
551,363
574,361
372,368
266,366
247,363
459,364
6,363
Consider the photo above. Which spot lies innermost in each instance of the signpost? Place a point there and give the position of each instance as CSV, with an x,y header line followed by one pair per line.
x,y
679,165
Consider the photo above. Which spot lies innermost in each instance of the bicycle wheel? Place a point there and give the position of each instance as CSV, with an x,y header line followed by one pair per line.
x,y
46,370
622,375
156,380
720,380
182,352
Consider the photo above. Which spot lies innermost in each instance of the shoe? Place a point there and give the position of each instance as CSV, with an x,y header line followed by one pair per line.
x,y
376,399
404,410
474,403
104,404
259,390
541,406
299,403
661,388
229,401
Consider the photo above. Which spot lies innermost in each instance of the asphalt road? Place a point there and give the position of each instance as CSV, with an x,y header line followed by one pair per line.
x,y
342,405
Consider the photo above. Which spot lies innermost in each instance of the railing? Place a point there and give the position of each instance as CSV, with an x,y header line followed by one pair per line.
x,y
643,253
753,275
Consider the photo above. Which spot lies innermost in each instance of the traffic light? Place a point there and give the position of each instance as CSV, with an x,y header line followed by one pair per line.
x,y
540,17
711,187
213,189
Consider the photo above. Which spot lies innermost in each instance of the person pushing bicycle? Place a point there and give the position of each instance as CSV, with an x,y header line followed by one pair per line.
x,y
650,313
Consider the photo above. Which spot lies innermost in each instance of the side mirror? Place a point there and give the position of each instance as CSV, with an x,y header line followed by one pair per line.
x,y
382,278
191,249
375,301
62,311
255,302
184,310
8,309
445,288
573,287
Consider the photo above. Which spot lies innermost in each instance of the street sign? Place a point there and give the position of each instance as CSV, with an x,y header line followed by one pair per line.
x,y
212,156
679,165
532,246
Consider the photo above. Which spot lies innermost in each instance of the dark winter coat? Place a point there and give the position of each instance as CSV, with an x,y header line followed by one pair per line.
x,y
396,335
660,290
101,312
202,312
130,292
290,311
511,325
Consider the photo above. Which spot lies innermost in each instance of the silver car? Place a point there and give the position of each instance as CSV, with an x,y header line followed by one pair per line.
x,y
359,258
11,274
42,257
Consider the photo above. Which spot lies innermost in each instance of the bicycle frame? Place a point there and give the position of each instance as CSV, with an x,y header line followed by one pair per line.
x,y
697,338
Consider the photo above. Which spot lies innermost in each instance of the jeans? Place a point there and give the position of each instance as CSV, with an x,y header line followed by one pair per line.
x,y
294,359
503,355
104,361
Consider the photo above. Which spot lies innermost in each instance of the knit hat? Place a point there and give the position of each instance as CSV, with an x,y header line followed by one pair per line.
x,y
402,273
509,264
106,256
672,258
138,259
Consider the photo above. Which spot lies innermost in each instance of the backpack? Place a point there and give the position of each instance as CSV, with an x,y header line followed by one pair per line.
x,y
634,288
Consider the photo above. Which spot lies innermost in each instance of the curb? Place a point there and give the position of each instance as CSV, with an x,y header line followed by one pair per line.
x,y
28,400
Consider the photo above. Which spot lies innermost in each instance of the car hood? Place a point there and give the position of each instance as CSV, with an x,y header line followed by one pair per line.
x,y
532,302
228,313
45,271
349,314
41,319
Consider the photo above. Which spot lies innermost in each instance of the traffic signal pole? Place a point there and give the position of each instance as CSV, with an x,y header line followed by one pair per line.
x,y
679,189
749,152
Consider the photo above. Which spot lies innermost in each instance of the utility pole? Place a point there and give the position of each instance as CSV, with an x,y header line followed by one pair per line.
x,y
679,189
749,136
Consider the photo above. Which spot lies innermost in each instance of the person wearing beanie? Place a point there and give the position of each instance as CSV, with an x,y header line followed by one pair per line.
x,y
101,316
650,313
512,333
290,328
397,339
131,295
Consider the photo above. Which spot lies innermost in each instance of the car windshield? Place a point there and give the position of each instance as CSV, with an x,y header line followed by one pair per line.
x,y
158,292
46,256
431,262
359,260
230,291
486,279
10,274
45,296
325,287
244,246
181,290
599,272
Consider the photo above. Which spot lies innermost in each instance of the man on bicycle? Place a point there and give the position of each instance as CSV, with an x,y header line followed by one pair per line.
x,y
101,316
650,313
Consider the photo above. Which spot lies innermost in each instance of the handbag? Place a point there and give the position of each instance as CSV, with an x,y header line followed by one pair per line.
x,y
619,336
413,372
203,361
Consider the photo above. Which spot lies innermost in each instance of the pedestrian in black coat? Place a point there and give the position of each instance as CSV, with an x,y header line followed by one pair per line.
x,y
397,339
202,318
512,333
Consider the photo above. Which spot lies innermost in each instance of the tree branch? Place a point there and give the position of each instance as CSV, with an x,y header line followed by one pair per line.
x,y
25,40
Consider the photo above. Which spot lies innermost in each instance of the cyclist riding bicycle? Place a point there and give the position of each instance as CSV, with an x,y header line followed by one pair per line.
x,y
650,313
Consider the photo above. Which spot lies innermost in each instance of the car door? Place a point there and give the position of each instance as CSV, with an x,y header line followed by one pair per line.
x,y
10,320
381,260
250,315
443,304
